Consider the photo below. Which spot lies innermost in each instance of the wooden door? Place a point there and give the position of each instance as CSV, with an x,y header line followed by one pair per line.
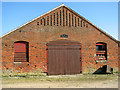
x,y
64,59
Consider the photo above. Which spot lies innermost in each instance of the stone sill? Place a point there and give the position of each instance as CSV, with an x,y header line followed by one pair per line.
x,y
101,60
17,62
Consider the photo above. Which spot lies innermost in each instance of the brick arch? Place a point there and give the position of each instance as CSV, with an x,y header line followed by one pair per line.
x,y
101,43
21,42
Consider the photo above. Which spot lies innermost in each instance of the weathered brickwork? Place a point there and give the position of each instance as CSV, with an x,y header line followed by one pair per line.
x,y
39,35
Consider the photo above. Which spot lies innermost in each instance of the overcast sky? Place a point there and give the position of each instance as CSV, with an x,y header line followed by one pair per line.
x,y
102,14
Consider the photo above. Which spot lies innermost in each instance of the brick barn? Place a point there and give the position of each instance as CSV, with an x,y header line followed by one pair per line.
x,y
59,42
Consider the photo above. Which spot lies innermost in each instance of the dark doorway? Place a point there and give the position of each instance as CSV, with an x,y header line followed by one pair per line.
x,y
64,57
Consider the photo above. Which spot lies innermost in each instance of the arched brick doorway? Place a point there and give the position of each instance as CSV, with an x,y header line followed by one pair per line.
x,y
64,57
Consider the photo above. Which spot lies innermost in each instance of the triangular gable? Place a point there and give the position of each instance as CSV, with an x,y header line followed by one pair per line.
x,y
62,16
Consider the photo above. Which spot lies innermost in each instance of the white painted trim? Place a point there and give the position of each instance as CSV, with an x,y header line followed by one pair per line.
x,y
101,60
17,62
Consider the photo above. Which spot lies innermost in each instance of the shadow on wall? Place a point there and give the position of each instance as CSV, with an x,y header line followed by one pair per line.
x,y
104,70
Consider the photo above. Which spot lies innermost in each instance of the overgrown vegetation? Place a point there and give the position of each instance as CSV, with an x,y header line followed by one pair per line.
x,y
25,74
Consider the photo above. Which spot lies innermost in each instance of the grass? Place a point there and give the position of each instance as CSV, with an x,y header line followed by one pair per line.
x,y
40,77
21,74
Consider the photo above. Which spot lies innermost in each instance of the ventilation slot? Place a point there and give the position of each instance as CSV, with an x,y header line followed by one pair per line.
x,y
72,20
87,25
44,21
69,20
66,19
57,18
51,21
60,17
81,22
63,18
37,23
78,21
75,21
84,24
41,21
47,20
54,18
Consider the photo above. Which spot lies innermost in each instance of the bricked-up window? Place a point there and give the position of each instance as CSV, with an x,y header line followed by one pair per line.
x,y
57,18
60,18
72,20
51,20
47,20
21,51
101,51
69,20
54,18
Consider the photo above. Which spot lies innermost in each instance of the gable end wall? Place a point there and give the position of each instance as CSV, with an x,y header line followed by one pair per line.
x,y
39,35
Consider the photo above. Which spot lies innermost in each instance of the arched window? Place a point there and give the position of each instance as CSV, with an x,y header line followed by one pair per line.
x,y
101,51
21,51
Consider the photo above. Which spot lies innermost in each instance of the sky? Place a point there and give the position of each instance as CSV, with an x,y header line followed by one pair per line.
x,y
102,14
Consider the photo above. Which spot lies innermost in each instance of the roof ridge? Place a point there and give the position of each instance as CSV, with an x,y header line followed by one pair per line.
x,y
62,4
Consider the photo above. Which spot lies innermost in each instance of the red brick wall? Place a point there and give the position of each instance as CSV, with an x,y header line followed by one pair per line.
x,y
39,35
